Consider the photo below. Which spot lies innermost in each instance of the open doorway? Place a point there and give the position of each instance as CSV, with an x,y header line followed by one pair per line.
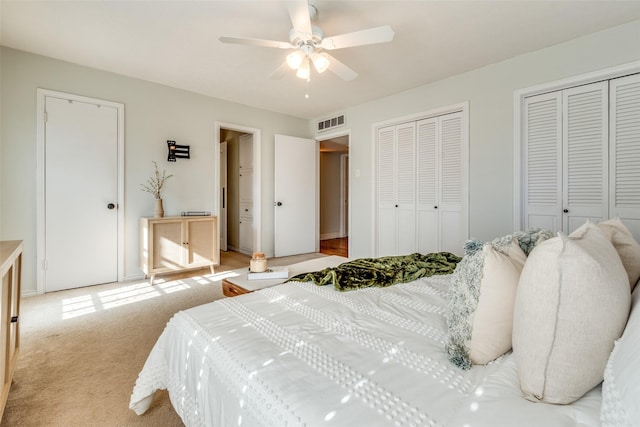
x,y
334,195
239,191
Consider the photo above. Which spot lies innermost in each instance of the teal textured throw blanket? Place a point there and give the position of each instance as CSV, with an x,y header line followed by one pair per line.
x,y
382,272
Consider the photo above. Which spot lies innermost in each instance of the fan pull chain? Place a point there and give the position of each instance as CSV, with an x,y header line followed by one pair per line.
x,y
306,95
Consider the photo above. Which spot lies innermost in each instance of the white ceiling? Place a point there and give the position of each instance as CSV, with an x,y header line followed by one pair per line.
x,y
176,42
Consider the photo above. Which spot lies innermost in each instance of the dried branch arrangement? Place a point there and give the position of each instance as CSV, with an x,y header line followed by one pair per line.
x,y
155,183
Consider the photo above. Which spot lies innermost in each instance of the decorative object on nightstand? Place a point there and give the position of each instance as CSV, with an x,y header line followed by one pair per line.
x,y
154,186
258,263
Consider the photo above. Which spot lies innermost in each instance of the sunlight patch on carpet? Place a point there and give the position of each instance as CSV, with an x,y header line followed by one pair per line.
x,y
130,294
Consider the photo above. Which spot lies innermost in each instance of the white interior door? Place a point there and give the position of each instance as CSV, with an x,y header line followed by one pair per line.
x,y
81,141
223,195
296,172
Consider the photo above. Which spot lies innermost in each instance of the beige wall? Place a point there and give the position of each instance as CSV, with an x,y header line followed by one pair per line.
x,y
153,114
489,91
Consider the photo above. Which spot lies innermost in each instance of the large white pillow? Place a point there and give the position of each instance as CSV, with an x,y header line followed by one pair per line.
x,y
621,387
572,304
627,247
480,316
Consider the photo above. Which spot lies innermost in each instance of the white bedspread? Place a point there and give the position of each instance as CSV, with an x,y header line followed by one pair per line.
x,y
300,354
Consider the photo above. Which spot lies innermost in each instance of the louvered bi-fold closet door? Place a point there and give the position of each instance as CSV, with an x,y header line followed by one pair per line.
x,y
427,194
543,161
585,155
406,188
624,145
453,232
387,214
396,190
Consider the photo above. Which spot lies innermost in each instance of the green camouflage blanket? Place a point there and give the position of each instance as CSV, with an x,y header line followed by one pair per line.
x,y
382,272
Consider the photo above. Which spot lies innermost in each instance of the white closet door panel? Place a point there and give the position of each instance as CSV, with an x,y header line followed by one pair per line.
x,y
387,231
406,187
427,162
427,231
624,159
543,161
585,154
451,173
541,220
406,137
387,210
406,231
452,237
386,167
450,208
427,216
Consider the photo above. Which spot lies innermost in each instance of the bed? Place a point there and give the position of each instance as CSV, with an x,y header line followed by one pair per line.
x,y
299,354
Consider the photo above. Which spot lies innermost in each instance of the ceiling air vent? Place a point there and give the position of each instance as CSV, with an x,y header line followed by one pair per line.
x,y
333,122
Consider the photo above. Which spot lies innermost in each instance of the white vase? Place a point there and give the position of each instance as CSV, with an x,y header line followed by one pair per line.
x,y
158,212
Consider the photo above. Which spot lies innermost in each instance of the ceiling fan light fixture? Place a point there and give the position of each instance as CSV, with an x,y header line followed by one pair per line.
x,y
295,59
304,72
320,62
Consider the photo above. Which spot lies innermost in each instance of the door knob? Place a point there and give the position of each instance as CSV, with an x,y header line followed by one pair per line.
x,y
279,204
565,210
111,206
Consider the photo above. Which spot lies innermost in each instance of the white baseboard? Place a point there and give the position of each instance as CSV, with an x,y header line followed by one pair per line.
x,y
327,236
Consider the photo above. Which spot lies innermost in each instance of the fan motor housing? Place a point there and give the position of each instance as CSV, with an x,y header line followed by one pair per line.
x,y
301,39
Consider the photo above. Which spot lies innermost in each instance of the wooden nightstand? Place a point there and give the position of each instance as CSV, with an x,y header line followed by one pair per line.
x,y
238,284
231,290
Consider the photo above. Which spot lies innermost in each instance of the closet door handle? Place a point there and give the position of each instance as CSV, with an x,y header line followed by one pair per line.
x,y
565,210
435,207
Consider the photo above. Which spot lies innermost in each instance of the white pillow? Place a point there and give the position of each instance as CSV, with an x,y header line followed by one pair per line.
x,y
621,386
627,247
572,304
480,316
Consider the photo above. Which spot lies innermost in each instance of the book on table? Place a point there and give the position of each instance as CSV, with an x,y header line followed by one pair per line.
x,y
270,273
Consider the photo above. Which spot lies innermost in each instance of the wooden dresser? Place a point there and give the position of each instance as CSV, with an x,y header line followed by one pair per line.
x,y
11,263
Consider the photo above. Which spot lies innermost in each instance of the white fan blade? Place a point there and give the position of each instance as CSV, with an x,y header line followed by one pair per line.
x,y
359,38
279,72
341,70
256,42
300,19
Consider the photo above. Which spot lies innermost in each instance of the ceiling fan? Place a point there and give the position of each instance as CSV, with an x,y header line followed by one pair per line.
x,y
309,44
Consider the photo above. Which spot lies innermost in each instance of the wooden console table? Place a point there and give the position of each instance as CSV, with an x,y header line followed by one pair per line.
x,y
177,243
11,269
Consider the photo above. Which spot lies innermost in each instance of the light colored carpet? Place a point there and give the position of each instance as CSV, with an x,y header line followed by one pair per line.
x,y
82,349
